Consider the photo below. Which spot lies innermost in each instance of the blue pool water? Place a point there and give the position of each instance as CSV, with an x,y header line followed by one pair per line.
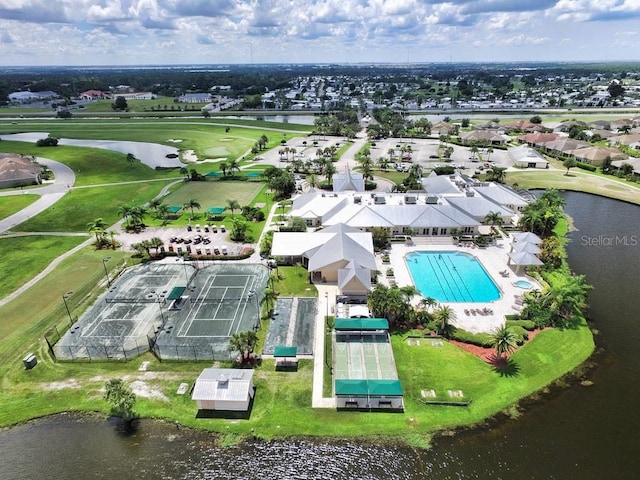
x,y
522,284
451,277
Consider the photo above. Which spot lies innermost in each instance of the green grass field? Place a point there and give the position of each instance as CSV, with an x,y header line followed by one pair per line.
x,y
215,194
14,203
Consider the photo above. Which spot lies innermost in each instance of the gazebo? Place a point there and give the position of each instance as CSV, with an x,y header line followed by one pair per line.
x,y
526,237
523,259
527,247
215,212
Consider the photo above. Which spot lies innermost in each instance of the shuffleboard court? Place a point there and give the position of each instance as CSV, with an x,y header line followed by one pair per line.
x,y
365,356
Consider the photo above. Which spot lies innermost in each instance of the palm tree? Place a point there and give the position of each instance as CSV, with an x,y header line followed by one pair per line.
x,y
137,215
428,303
162,210
367,171
233,205
156,242
97,227
125,212
329,169
489,152
504,341
112,234
498,174
444,315
234,165
493,218
244,343
565,299
415,171
192,204
383,163
184,171
224,167
269,299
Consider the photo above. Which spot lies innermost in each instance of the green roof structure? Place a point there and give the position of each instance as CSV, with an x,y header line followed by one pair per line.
x,y
361,324
369,388
216,210
215,173
176,293
281,351
173,209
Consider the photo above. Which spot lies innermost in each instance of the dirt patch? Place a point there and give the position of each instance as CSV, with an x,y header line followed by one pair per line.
x,y
70,383
143,389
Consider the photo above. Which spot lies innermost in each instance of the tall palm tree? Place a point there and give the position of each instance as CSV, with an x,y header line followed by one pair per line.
x,y
233,205
184,171
504,341
444,315
224,167
192,204
137,214
269,299
97,227
329,169
124,211
493,218
234,165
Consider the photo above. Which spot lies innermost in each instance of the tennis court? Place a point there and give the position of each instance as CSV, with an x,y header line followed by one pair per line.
x,y
179,309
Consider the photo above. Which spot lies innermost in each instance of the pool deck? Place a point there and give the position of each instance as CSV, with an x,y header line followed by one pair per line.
x,y
493,258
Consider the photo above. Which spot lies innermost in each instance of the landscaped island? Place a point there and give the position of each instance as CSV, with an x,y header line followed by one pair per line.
x,y
283,399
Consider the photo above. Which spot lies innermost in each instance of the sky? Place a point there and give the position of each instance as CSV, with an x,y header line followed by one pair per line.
x,y
147,32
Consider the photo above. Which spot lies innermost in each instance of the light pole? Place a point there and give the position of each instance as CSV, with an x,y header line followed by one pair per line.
x,y
160,299
106,272
66,305
326,299
184,264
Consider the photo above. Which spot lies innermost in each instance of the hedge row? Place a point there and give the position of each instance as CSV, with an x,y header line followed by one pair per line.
x,y
480,339
526,324
586,166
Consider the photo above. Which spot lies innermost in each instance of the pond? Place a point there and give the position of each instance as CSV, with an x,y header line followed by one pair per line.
x,y
153,155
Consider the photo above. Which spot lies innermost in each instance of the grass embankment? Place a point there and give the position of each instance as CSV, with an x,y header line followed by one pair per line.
x,y
25,257
14,203
598,184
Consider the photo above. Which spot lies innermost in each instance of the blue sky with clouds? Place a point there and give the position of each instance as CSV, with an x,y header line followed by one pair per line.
x,y
138,32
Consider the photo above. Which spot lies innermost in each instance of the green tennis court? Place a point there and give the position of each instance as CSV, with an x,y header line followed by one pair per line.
x,y
181,310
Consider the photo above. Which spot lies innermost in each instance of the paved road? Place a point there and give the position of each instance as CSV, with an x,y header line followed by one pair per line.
x,y
49,194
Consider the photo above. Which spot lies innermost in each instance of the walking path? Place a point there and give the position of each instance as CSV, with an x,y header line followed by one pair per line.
x,y
49,194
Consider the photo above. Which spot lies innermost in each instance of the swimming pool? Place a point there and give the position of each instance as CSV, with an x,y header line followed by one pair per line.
x,y
522,284
451,277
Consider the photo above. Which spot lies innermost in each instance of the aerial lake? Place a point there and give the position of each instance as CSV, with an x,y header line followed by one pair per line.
x,y
152,154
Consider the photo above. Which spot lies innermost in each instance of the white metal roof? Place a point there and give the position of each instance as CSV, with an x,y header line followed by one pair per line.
x,y
225,384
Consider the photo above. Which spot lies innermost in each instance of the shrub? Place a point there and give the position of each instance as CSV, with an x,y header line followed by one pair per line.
x,y
526,324
480,339
586,166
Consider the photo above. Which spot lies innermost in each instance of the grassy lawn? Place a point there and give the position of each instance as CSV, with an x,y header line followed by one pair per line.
x,y
14,203
214,194
208,138
294,282
81,206
578,181
92,166
24,257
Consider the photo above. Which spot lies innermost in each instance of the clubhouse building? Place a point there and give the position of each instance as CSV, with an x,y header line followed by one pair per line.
x,y
340,249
